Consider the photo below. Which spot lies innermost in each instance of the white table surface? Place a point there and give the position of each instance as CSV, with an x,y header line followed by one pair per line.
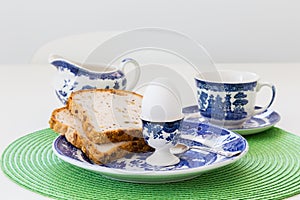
x,y
27,100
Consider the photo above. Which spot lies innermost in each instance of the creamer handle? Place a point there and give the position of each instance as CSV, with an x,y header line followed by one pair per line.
x,y
136,71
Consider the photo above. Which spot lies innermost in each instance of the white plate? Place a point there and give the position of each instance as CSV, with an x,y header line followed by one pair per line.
x,y
255,124
133,168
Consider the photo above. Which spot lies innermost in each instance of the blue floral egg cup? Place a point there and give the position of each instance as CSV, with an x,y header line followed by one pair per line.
x,y
161,136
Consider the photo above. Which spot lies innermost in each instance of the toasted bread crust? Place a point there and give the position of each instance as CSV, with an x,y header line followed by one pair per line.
x,y
55,124
89,147
102,137
70,133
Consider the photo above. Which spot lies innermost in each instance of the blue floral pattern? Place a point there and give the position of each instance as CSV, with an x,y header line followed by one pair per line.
x,y
61,65
66,148
230,107
161,130
74,78
204,134
221,87
266,119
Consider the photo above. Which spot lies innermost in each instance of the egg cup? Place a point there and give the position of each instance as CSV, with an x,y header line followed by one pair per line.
x,y
161,136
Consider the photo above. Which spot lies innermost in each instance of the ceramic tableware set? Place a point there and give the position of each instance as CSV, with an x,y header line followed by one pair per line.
x,y
187,141
225,98
73,76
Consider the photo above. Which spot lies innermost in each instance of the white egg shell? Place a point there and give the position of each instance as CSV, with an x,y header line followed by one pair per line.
x,y
161,102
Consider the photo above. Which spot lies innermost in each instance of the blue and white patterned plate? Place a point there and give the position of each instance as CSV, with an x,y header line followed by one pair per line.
x,y
255,124
133,168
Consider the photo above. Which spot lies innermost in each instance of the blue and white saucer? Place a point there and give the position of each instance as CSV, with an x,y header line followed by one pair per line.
x,y
133,168
255,124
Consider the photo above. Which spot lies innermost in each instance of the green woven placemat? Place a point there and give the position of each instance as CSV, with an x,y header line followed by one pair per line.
x,y
270,170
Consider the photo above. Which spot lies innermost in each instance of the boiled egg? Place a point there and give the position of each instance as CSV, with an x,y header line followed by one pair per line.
x,y
161,102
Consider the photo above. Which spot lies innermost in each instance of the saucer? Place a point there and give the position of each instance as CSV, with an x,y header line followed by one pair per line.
x,y
255,124
133,168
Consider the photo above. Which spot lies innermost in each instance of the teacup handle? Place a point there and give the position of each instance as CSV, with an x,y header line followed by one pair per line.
x,y
137,71
259,86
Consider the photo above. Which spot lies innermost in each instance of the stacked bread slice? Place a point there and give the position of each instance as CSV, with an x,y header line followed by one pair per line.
x,y
105,124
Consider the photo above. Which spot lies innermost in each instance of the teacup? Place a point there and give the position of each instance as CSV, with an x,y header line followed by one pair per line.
x,y
161,136
73,76
228,97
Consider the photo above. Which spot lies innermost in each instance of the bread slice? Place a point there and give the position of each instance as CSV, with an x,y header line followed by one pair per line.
x,y
107,115
63,122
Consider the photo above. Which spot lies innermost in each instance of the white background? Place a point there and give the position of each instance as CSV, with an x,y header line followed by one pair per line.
x,y
231,30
